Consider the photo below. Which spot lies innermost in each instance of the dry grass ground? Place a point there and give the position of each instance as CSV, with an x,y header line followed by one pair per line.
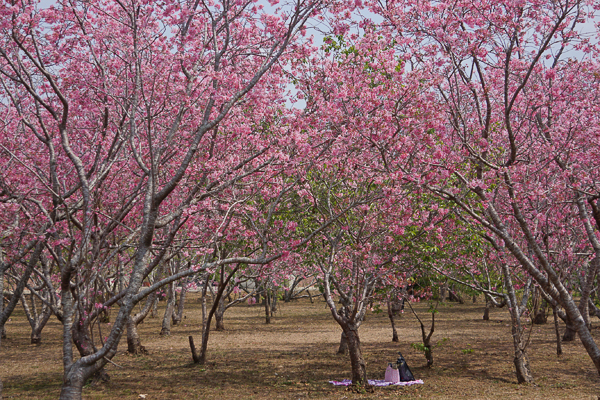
x,y
294,358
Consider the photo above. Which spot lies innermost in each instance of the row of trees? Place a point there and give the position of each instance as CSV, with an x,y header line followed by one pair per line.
x,y
144,143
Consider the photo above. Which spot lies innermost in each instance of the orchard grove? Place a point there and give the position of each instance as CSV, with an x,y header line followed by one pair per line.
x,y
374,149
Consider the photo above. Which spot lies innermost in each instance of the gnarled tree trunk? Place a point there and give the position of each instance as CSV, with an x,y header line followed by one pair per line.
x,y
72,387
359,366
343,348
134,344
85,346
521,360
37,320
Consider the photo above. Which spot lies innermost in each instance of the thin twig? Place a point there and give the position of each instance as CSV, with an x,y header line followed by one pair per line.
x,y
112,362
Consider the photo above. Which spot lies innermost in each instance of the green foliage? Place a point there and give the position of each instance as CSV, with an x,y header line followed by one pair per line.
x,y
343,51
432,308
377,309
337,44
423,348
419,347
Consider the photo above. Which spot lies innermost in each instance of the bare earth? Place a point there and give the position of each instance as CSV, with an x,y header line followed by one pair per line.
x,y
294,358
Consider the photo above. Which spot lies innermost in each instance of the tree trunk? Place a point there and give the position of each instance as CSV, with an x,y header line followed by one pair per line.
x,y
427,340
178,316
391,316
350,322
359,367
522,365
134,344
6,311
575,321
444,291
570,331
166,324
486,311
37,321
521,361
219,312
273,303
154,312
204,311
539,307
558,340
204,345
36,334
586,289
72,387
288,293
86,347
77,375
540,316
343,349
454,296
584,335
427,348
429,355
201,358
267,304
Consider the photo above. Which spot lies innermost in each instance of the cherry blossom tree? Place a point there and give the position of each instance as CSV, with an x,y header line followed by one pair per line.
x,y
520,117
364,105
134,115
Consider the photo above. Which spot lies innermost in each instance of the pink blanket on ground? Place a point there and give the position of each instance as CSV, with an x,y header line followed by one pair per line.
x,y
377,382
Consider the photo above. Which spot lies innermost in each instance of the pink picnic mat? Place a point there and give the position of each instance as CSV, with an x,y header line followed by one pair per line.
x,y
377,382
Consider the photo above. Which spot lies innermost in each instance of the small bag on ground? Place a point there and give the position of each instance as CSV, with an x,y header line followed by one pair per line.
x,y
391,373
403,370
